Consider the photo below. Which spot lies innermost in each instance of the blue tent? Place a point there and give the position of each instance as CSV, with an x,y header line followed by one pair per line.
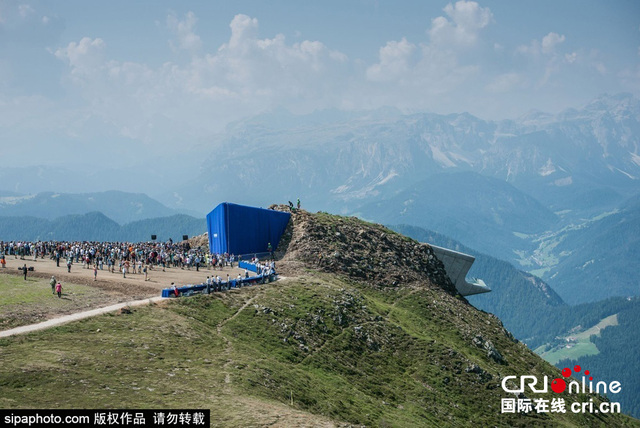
x,y
239,229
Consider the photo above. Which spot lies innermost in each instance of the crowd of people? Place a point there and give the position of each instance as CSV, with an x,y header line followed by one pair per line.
x,y
134,258
126,257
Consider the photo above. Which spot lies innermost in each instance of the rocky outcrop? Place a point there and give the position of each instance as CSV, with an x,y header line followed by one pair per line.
x,y
362,251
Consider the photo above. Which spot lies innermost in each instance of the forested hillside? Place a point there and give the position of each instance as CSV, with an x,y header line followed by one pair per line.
x,y
619,347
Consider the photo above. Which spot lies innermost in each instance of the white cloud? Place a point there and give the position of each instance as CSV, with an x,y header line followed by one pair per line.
x,y
571,58
184,31
83,57
466,19
547,46
418,76
243,30
191,96
550,41
394,61
244,76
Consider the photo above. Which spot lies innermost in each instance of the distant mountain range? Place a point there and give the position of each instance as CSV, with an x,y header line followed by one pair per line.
x,y
344,160
96,226
595,259
121,207
481,211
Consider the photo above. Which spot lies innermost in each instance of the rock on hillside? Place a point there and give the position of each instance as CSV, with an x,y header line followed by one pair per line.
x,y
199,241
360,250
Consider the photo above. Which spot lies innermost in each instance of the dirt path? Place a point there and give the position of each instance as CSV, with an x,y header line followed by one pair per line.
x,y
74,317
227,342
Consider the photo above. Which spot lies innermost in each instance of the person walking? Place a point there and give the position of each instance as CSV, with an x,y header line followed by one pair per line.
x,y
59,289
24,270
53,284
95,272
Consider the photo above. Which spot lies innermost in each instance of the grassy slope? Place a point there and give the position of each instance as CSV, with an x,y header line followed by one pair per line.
x,y
337,350
31,301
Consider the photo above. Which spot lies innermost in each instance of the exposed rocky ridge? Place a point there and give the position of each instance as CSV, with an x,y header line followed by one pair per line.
x,y
199,241
362,251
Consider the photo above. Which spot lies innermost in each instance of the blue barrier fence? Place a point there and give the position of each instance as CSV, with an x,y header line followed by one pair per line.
x,y
187,290
248,266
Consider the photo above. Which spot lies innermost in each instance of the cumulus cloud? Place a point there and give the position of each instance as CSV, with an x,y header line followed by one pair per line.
x,y
466,19
550,41
250,66
184,31
243,30
394,61
547,46
412,75
192,96
244,76
84,56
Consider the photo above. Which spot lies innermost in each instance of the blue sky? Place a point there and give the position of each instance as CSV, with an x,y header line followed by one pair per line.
x,y
110,79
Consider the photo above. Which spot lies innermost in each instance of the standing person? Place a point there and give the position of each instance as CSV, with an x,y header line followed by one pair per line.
x,y
59,289
24,270
53,284
69,265
298,204
146,273
3,261
95,272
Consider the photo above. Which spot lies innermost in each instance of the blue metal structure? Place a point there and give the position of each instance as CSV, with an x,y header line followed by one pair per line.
x,y
239,229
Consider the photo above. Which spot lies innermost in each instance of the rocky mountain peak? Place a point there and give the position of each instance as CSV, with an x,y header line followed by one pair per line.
x,y
363,251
